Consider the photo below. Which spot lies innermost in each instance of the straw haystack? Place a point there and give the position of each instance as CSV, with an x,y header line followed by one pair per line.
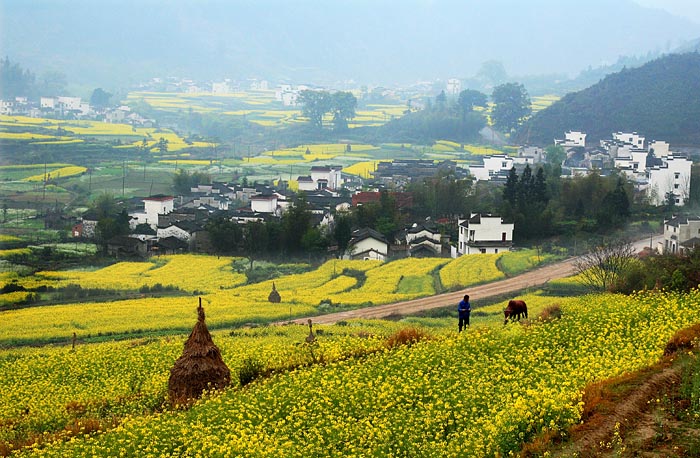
x,y
274,296
199,368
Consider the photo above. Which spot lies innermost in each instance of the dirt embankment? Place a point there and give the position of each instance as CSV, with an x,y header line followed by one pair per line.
x,y
640,414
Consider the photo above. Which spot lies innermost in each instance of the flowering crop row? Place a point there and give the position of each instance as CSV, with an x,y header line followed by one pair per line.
x,y
215,280
187,272
63,172
49,388
479,393
469,270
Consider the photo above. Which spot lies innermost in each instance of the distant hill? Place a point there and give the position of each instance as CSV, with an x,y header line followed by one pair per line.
x,y
660,100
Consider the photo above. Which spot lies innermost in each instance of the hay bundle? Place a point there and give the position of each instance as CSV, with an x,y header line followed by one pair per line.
x,y
199,368
274,296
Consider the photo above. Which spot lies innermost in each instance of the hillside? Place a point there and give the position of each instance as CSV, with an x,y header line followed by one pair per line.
x,y
660,100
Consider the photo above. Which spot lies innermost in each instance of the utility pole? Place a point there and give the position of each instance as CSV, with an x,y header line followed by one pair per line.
x,y
123,177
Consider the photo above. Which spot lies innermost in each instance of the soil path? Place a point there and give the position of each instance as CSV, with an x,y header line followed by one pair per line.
x,y
533,278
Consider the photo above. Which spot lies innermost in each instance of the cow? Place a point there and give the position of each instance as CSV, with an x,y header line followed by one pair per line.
x,y
515,309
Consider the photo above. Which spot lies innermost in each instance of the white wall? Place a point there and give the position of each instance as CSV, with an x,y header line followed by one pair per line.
x,y
263,205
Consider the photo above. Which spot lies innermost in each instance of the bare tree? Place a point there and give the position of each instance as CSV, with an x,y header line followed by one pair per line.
x,y
600,268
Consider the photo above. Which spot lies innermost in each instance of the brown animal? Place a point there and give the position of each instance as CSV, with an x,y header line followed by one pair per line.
x,y
515,309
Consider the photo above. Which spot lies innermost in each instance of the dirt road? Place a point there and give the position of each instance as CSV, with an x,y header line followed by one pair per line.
x,y
533,278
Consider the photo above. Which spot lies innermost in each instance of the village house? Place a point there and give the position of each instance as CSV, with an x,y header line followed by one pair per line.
x,y
681,234
124,246
152,207
484,233
424,240
492,166
368,244
572,138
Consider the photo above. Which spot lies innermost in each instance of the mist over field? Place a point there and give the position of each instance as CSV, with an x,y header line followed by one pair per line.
x,y
368,42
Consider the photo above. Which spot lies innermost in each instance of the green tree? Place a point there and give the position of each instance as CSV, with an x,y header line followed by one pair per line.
x,y
614,210
313,242
555,155
15,81
255,240
342,232
225,235
441,101
511,106
343,106
144,228
100,98
112,219
492,71
162,145
184,181
296,221
315,104
111,226
468,99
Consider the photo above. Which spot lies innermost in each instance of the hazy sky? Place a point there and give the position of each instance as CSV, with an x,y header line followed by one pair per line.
x,y
122,42
684,8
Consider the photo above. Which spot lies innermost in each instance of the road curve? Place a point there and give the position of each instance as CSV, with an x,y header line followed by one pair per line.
x,y
530,279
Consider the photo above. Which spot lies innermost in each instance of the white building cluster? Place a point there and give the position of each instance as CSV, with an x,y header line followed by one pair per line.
x,y
656,170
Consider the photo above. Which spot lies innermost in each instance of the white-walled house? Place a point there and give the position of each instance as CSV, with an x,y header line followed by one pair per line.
x,y
454,86
182,230
422,239
484,233
492,165
368,244
306,183
681,234
656,170
327,176
152,207
572,138
673,175
265,204
633,139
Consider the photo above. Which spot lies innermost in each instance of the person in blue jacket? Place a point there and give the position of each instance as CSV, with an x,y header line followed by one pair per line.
x,y
464,309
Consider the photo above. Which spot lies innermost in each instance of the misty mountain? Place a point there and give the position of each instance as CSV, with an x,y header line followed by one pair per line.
x,y
660,100
109,43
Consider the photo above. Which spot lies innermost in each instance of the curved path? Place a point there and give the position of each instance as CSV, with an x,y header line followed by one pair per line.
x,y
532,278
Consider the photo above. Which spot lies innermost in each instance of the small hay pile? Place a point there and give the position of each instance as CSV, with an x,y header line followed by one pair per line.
x,y
274,296
199,368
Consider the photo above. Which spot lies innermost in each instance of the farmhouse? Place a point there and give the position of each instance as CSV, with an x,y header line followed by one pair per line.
x,y
492,166
484,233
368,244
681,234
424,240
152,207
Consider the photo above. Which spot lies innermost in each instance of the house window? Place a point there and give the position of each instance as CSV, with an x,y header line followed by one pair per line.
x,y
675,186
471,235
677,175
482,250
495,251
503,236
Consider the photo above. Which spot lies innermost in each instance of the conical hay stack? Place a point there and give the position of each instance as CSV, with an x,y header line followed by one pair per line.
x,y
199,368
274,296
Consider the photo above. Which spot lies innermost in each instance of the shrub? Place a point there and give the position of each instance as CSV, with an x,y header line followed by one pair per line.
x,y
250,370
406,336
551,313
